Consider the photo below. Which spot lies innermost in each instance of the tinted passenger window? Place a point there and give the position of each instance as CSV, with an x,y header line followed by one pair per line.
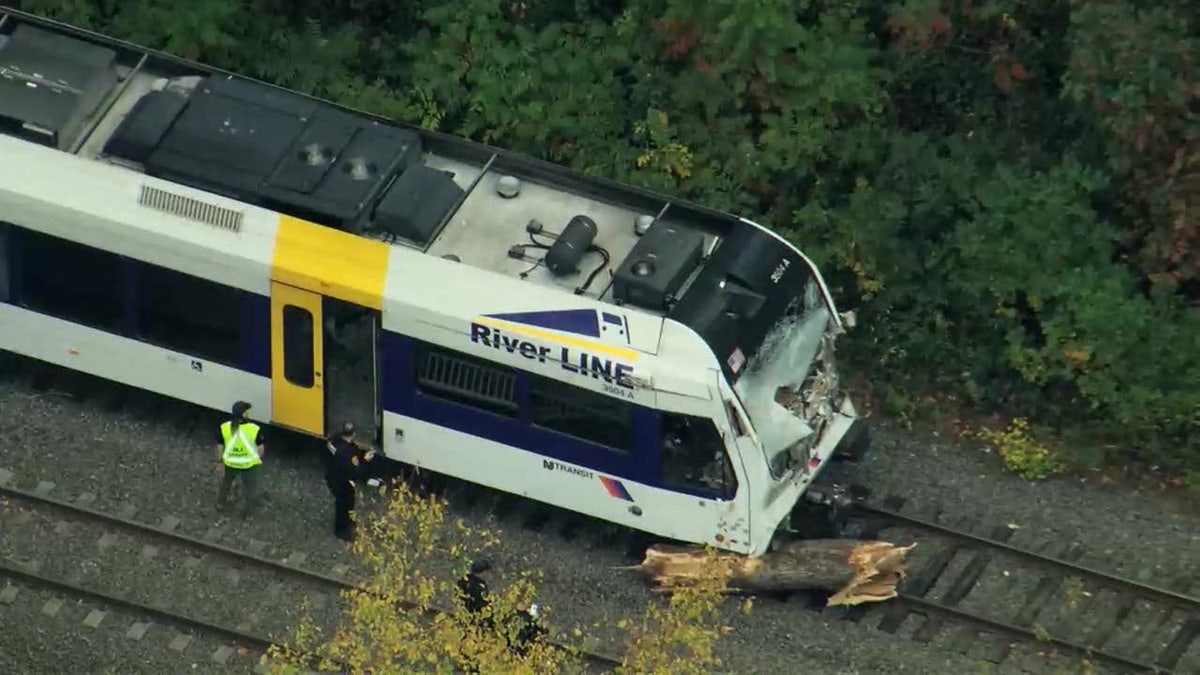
x,y
694,456
460,378
72,281
189,314
581,413
298,365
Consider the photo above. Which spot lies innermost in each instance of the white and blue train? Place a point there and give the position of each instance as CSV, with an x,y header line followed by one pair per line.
x,y
486,316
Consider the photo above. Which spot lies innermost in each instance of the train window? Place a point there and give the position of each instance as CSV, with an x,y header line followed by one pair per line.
x,y
581,413
4,267
71,281
298,361
694,456
188,314
460,378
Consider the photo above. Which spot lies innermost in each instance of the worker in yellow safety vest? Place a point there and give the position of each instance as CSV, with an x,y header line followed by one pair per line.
x,y
239,453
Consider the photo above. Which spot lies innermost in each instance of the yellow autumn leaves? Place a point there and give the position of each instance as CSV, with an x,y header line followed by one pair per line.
x,y
407,617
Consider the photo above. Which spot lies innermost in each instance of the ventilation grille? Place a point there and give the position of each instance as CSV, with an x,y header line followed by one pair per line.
x,y
192,209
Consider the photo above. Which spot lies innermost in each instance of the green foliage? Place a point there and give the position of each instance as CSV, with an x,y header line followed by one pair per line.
x,y
403,616
1022,453
1006,189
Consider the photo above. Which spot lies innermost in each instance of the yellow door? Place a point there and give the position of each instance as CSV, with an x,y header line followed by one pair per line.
x,y
297,355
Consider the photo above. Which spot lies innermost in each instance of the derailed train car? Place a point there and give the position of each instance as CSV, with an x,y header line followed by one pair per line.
x,y
487,316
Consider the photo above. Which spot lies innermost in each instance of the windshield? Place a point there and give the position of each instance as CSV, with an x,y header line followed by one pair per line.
x,y
775,387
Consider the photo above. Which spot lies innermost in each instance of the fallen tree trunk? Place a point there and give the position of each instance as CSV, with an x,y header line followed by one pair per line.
x,y
857,571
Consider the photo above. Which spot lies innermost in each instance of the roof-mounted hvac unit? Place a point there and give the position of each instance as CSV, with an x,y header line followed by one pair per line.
x,y
51,84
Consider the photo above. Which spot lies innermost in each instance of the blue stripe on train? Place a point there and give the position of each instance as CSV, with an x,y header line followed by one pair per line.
x,y
400,396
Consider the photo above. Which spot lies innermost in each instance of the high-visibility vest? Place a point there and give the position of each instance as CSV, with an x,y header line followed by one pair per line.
x,y
239,447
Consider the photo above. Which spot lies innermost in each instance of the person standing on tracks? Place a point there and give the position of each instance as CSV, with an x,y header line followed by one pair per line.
x,y
347,467
240,452
473,588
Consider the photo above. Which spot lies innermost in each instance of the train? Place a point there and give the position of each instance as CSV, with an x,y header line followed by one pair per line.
x,y
481,314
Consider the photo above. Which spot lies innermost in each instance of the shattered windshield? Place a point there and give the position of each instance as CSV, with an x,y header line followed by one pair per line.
x,y
771,389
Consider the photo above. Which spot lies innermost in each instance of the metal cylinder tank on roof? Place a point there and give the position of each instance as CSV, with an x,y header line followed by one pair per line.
x,y
566,251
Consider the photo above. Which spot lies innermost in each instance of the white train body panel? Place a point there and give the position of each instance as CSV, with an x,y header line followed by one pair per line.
x,y
581,389
101,210
129,362
573,487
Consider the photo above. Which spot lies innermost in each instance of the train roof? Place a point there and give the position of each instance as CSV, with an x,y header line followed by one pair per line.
x,y
725,278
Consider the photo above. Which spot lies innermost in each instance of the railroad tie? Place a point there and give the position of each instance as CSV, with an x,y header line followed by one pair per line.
x,y
51,607
918,585
43,488
962,585
126,511
6,477
138,630
1111,620
180,642
86,499
9,595
1178,646
1047,587
222,654
94,617
1147,631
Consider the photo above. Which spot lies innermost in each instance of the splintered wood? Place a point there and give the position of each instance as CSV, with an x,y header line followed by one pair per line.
x,y
857,571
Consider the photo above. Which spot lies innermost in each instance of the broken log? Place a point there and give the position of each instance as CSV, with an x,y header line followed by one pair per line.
x,y
857,571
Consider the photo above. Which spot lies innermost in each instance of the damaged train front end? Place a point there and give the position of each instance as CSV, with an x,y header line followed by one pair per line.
x,y
764,309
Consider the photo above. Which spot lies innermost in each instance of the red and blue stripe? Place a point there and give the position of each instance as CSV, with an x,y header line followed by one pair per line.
x,y
615,488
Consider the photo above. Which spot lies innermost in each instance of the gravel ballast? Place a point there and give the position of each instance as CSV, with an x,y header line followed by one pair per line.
x,y
35,643
158,573
126,460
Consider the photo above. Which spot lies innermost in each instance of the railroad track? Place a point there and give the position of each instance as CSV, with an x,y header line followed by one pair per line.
x,y
935,600
241,598
1049,599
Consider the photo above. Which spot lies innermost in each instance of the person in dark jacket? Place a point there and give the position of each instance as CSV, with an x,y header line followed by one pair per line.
x,y
346,469
529,630
473,588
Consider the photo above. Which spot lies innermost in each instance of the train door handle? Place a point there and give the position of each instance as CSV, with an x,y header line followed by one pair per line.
x,y
635,510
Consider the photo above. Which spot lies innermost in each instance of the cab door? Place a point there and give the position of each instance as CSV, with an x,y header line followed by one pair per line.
x,y
297,355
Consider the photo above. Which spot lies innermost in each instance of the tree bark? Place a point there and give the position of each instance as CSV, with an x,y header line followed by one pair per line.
x,y
857,571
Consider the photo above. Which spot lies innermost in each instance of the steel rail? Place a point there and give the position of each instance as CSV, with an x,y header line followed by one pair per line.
x,y
920,605
587,655
1178,600
34,579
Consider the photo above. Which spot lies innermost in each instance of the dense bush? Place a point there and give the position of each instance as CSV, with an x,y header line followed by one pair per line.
x,y
1006,189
